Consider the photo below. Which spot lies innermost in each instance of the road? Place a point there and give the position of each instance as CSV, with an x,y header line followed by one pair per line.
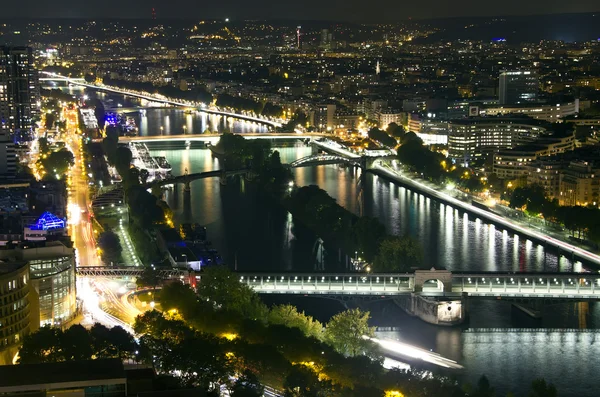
x,y
78,202
500,220
168,101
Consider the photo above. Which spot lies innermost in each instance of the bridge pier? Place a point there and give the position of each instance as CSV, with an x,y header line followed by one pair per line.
x,y
437,311
187,187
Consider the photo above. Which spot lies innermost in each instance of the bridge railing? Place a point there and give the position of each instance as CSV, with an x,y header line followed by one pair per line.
x,y
520,283
118,272
319,283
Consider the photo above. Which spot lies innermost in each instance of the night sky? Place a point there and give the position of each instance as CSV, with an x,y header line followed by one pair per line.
x,y
351,10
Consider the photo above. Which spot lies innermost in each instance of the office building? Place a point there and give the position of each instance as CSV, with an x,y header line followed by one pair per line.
x,y
512,164
17,306
52,278
475,138
518,87
547,112
19,90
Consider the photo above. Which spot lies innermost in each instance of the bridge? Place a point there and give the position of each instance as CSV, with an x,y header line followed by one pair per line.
x,y
320,159
186,179
431,283
434,283
214,138
123,272
161,99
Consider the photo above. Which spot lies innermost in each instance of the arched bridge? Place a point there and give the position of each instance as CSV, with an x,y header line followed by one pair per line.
x,y
320,159
186,179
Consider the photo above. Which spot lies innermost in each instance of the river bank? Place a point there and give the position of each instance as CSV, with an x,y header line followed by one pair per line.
x,y
564,248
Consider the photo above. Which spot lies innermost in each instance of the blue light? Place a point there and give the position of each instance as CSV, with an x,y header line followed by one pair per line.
x,y
48,221
499,39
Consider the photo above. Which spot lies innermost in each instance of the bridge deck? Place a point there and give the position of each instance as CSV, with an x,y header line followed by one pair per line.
x,y
579,286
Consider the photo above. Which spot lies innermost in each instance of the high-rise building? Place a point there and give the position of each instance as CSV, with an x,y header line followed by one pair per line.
x,y
326,39
518,87
19,100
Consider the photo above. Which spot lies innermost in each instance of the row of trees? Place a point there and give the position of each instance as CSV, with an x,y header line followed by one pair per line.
x,y
281,346
249,105
50,344
583,222
365,235
195,94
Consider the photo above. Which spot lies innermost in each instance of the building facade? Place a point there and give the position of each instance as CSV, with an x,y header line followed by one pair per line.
x,y
515,163
518,87
545,112
16,309
51,267
474,139
19,90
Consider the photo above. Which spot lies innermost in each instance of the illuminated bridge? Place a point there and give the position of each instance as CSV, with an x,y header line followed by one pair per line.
x,y
126,272
434,283
214,138
320,159
159,99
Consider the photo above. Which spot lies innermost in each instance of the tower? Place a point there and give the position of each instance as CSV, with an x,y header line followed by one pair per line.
x,y
377,68
153,14
298,35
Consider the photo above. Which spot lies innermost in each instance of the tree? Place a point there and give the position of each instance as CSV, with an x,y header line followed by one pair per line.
x,y
539,388
398,254
42,346
381,136
483,389
49,121
225,290
123,159
289,316
345,332
76,343
368,234
395,130
304,382
148,278
247,385
58,163
109,243
178,296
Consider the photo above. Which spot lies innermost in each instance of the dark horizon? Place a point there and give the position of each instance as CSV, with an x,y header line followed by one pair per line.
x,y
290,11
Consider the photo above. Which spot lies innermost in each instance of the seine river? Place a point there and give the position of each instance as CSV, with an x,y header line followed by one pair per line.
x,y
253,233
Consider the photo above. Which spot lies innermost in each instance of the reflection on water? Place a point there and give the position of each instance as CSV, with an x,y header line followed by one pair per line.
x,y
450,239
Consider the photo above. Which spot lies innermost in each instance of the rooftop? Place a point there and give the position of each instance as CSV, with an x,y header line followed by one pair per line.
x,y
52,373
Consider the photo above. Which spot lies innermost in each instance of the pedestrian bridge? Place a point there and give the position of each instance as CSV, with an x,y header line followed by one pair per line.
x,y
435,283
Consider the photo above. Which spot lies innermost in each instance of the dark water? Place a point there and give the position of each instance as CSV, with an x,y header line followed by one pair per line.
x,y
252,231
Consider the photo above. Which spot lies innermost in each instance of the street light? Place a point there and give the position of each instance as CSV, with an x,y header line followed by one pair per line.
x,y
161,130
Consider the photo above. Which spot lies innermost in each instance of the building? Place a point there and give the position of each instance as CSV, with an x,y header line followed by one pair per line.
x,y
512,164
17,307
52,278
517,87
545,112
324,117
348,120
546,173
579,184
103,377
387,116
475,138
19,90
431,130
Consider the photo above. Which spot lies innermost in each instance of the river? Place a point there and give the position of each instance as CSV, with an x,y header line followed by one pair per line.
x,y
253,233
